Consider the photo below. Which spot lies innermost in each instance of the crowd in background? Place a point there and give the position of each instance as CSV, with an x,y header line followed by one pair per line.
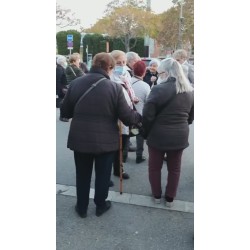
x,y
119,97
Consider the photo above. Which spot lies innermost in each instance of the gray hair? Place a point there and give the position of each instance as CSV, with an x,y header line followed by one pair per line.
x,y
132,56
173,69
180,54
155,61
185,69
61,60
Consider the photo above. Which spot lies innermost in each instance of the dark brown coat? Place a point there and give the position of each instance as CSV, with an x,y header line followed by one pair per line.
x,y
94,125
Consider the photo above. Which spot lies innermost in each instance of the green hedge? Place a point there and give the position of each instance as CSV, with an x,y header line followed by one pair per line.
x,y
96,43
61,41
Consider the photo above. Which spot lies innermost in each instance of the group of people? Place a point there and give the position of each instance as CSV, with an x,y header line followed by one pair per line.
x,y
65,74
119,92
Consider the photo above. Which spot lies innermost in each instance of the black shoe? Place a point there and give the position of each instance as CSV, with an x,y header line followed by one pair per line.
x,y
82,215
111,183
140,159
63,119
125,176
102,210
131,148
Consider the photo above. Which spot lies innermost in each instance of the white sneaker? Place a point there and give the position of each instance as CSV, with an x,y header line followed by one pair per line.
x,y
169,204
157,201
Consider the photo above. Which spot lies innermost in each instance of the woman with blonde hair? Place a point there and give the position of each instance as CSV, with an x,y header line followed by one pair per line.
x,y
122,77
74,70
167,114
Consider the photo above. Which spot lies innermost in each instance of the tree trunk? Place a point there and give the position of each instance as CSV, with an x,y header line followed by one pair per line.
x,y
127,39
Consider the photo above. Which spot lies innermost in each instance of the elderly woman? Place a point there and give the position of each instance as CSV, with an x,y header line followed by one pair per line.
x,y
142,91
132,58
151,75
181,56
94,131
166,117
73,70
61,81
122,77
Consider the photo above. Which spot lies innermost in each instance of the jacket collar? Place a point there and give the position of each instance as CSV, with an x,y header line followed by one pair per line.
x,y
99,71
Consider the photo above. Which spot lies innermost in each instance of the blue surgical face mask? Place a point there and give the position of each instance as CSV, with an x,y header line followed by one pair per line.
x,y
119,70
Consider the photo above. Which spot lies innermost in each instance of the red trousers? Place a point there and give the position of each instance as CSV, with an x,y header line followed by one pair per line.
x,y
154,170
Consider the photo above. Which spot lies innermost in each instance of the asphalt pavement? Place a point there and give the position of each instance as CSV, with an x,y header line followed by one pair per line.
x,y
134,220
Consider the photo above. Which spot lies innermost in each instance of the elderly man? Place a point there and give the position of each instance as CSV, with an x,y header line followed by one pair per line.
x,y
132,58
180,55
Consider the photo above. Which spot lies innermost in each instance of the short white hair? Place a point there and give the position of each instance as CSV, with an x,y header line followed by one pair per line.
x,y
174,69
180,54
132,56
61,60
155,61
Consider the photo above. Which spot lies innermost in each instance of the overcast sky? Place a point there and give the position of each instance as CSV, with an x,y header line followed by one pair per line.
x,y
88,11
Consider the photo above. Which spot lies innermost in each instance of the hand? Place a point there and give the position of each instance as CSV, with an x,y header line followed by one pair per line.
x,y
153,78
136,100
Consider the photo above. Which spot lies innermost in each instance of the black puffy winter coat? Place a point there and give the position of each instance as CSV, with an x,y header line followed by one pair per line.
x,y
72,72
61,80
147,78
94,126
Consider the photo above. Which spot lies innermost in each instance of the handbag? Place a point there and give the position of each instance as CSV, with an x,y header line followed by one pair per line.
x,y
133,129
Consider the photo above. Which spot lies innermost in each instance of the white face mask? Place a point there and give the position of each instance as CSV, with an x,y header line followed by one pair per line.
x,y
119,70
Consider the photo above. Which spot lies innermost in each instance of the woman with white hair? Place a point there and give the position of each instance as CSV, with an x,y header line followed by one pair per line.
x,y
167,114
61,81
151,75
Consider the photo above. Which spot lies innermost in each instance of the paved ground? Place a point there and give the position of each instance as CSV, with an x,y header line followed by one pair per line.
x,y
124,227
134,221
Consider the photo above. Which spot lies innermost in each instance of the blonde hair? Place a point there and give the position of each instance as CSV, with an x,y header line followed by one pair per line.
x,y
173,69
74,57
117,53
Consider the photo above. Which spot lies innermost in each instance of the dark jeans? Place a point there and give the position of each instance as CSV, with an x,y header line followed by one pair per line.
x,y
125,142
139,145
84,165
155,163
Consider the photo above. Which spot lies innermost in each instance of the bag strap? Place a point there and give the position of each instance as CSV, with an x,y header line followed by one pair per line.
x,y
72,70
134,108
136,81
91,87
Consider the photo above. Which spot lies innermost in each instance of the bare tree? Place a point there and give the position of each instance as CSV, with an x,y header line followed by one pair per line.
x,y
64,17
126,20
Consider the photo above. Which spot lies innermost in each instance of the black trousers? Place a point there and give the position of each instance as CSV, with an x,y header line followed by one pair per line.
x,y
139,145
84,165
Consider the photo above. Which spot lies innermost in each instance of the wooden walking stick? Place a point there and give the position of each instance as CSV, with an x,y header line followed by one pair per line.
x,y
120,155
